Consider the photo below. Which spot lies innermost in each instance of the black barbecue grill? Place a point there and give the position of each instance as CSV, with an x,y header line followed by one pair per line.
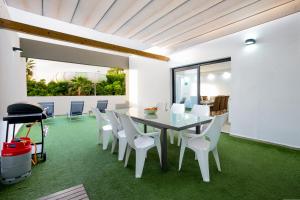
x,y
26,113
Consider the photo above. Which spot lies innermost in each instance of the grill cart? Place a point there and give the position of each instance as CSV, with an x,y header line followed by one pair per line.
x,y
27,113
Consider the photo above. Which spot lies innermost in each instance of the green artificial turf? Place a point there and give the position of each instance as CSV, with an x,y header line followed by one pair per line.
x,y
250,170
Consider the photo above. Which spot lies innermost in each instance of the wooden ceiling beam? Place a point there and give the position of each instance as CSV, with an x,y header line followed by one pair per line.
x,y
42,32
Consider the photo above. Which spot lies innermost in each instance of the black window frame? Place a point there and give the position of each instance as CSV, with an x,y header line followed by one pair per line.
x,y
189,67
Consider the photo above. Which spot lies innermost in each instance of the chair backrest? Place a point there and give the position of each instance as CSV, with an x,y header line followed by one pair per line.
x,y
76,107
114,121
216,105
213,131
178,108
97,115
102,105
200,110
226,102
222,103
49,107
204,98
163,106
130,129
100,118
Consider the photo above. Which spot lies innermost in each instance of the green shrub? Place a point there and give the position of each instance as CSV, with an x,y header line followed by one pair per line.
x,y
80,86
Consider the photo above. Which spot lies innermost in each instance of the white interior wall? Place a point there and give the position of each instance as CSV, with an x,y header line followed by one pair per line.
x,y
62,103
218,86
265,79
149,81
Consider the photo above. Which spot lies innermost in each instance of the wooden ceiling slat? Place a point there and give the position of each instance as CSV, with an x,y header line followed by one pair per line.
x,y
238,15
33,30
267,16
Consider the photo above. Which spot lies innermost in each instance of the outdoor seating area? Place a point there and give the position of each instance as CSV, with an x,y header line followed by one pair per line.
x,y
240,163
149,99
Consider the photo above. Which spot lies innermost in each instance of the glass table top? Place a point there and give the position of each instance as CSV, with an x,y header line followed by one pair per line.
x,y
165,119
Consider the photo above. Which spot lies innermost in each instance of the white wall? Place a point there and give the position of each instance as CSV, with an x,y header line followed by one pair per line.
x,y
54,71
149,81
62,103
265,79
12,72
13,80
218,86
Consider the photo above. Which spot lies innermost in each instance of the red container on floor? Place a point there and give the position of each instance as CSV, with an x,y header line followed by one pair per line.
x,y
16,147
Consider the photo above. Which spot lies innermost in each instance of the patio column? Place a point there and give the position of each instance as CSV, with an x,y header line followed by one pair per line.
x,y
12,72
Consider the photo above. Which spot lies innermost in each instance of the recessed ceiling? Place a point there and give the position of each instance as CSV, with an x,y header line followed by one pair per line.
x,y
171,24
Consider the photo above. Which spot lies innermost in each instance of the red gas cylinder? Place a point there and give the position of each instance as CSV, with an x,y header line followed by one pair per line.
x,y
16,147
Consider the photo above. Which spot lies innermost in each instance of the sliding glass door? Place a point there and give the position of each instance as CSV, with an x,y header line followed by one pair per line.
x,y
215,77
186,85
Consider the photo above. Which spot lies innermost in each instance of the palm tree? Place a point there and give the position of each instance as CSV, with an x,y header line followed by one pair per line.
x,y
29,66
81,86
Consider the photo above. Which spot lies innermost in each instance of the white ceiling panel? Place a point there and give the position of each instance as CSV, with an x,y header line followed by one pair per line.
x,y
222,9
114,14
61,10
171,24
269,15
152,13
177,16
89,12
135,8
33,6
236,16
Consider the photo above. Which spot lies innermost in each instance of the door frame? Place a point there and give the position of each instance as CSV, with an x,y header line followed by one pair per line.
x,y
189,67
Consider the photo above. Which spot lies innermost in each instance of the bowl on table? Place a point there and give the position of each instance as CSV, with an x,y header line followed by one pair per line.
x,y
150,111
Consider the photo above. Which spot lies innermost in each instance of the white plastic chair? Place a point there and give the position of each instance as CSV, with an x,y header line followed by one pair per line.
x,y
176,108
203,143
104,128
118,135
140,142
198,110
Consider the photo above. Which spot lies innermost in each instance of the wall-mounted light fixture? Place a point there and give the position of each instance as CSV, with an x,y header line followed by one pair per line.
x,y
17,49
250,41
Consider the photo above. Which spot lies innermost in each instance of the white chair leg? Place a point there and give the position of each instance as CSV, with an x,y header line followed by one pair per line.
x,y
171,136
182,150
99,137
122,148
158,147
139,162
203,164
105,139
114,142
127,155
216,156
179,139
